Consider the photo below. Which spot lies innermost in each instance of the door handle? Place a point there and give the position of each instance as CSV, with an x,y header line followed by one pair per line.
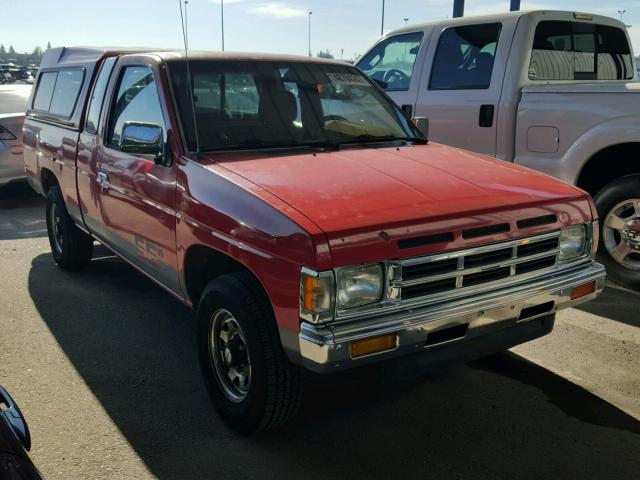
x,y
103,179
486,116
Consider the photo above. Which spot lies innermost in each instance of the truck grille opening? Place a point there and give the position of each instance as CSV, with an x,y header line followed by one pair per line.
x,y
484,231
427,240
425,269
530,312
446,334
537,221
429,288
450,274
537,247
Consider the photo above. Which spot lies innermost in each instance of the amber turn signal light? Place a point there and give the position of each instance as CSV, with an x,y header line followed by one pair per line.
x,y
582,290
360,348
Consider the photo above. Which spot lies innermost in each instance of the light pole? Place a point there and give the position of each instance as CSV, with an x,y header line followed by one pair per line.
x,y
382,21
621,12
405,21
222,21
310,33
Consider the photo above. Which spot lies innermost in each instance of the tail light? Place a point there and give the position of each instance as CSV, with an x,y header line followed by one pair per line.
x,y
6,134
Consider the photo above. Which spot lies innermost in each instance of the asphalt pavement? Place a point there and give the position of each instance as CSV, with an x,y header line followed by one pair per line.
x,y
103,365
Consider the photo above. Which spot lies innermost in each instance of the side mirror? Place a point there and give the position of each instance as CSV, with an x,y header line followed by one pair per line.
x,y
143,139
12,416
422,124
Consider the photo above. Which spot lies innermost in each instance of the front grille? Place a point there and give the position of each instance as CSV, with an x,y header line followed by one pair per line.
x,y
474,268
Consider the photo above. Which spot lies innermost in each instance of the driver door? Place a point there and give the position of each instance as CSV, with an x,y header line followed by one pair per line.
x,y
396,64
137,192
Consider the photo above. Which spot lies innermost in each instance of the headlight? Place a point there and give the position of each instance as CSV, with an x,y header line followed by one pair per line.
x,y
572,242
360,285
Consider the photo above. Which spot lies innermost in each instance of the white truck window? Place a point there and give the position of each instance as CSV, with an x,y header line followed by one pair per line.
x,y
579,51
390,62
464,58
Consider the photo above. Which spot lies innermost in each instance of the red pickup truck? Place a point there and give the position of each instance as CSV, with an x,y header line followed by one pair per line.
x,y
304,217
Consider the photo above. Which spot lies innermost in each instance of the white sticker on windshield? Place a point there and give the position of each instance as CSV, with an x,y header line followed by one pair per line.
x,y
347,79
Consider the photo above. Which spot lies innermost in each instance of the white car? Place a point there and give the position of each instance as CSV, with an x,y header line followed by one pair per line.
x,y
13,104
553,91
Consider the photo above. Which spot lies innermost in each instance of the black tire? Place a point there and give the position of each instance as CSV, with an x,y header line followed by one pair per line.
x,y
70,246
610,196
274,391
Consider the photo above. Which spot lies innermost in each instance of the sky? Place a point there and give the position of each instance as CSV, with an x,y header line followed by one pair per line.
x,y
344,27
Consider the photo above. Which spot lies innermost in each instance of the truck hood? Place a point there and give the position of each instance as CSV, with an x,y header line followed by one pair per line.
x,y
404,191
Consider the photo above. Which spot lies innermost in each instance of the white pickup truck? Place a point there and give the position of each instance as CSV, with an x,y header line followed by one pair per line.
x,y
553,91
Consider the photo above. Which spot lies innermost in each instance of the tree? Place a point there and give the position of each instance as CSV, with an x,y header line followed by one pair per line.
x,y
37,52
48,45
2,49
11,50
325,54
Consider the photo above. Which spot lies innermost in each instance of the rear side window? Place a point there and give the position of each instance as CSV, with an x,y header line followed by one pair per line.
x,y
579,51
391,62
95,105
45,91
58,92
464,58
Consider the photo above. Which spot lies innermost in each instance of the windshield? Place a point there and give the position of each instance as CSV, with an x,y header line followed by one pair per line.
x,y
266,104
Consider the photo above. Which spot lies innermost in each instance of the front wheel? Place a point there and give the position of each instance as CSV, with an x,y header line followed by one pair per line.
x,y
70,246
618,205
251,382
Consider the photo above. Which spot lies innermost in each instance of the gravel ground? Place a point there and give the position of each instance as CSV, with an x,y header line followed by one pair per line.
x,y
103,365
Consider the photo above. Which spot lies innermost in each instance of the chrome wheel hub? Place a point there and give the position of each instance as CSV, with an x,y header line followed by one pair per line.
x,y
621,233
229,355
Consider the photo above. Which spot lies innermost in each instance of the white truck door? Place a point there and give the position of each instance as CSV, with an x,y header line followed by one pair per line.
x,y
395,63
461,86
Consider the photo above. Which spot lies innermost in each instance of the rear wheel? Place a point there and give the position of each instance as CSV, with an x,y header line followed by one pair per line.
x,y
618,205
251,382
70,246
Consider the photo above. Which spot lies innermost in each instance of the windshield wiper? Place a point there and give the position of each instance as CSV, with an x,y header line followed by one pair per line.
x,y
250,144
384,138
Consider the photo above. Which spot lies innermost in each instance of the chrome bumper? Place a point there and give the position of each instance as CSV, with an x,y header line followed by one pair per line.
x,y
325,348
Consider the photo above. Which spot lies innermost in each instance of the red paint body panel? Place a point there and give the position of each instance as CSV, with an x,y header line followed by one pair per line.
x,y
356,193
276,212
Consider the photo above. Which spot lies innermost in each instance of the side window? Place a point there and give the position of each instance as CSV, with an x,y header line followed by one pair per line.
x,y
95,105
464,57
136,100
65,93
579,51
58,92
391,62
44,93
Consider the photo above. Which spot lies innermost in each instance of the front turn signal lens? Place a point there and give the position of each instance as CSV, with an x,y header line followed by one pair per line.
x,y
360,348
316,296
582,290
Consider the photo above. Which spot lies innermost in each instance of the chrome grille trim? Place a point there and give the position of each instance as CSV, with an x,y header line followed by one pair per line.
x,y
471,255
461,271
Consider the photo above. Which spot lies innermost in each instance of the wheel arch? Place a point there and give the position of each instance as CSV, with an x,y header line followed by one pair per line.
x,y
203,263
48,179
602,168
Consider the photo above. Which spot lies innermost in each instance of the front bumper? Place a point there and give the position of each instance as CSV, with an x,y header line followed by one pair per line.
x,y
326,348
